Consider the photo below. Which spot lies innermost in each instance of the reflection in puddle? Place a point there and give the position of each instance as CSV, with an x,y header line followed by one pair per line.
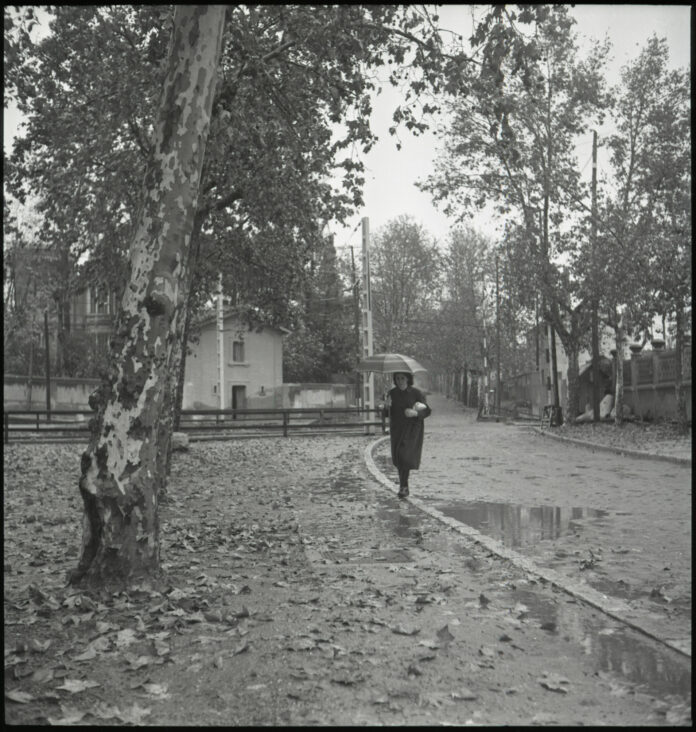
x,y
516,525
616,648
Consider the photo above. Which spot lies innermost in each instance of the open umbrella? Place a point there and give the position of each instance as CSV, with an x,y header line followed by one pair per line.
x,y
387,363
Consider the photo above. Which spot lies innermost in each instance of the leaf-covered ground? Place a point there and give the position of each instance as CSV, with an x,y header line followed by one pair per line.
x,y
655,438
294,592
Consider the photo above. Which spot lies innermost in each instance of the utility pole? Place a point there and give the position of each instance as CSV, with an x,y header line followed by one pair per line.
x,y
366,309
497,337
356,315
48,368
536,330
593,286
220,346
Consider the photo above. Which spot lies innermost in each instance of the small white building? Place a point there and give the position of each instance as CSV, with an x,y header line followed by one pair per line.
x,y
253,366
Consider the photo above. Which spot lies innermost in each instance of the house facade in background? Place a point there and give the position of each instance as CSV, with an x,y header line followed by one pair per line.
x,y
93,311
253,364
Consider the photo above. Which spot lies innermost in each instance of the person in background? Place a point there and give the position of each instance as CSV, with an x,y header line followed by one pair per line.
x,y
407,408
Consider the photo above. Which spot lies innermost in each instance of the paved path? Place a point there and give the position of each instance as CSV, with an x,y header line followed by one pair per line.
x,y
607,525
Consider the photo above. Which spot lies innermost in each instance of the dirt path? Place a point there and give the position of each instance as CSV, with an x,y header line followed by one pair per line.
x,y
297,593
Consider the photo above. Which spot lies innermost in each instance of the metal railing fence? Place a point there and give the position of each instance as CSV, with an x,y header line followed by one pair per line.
x,y
62,424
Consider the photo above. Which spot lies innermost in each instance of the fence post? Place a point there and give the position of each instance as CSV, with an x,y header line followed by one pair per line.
x,y
286,419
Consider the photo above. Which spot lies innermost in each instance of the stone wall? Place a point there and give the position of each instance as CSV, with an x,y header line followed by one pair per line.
x,y
66,393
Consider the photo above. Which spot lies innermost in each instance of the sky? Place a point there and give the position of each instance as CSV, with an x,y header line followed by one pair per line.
x,y
391,174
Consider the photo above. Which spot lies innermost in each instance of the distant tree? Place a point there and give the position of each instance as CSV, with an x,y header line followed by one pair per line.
x,y
511,144
405,267
323,341
28,283
457,334
646,257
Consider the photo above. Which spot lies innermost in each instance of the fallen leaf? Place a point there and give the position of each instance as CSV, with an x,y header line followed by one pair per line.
x,y
444,635
432,644
544,718
137,662
102,710
241,648
39,646
41,675
71,715
161,648
464,694
520,610
87,655
158,691
347,678
21,697
434,699
21,671
103,627
125,637
554,682
134,715
74,686
302,644
427,657
403,630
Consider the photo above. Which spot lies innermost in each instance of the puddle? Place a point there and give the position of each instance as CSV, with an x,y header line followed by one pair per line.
x,y
616,649
516,525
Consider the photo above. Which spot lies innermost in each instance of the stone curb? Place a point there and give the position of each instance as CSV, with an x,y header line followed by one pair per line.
x,y
613,607
616,450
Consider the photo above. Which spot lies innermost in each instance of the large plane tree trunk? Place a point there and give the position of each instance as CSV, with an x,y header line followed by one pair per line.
x,y
122,466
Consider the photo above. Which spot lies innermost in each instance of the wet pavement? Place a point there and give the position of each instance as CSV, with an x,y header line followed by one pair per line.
x,y
398,535
605,521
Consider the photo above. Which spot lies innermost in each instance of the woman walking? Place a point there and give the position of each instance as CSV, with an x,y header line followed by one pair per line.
x,y
407,408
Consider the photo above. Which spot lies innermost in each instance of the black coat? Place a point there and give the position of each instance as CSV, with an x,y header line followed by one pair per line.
x,y
406,432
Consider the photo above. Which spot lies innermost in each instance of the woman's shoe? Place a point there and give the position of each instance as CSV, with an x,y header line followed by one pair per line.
x,y
403,491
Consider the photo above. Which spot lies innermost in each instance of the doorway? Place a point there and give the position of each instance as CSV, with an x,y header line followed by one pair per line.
x,y
238,398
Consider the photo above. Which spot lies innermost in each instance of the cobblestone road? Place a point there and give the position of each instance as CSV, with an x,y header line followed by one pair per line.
x,y
618,524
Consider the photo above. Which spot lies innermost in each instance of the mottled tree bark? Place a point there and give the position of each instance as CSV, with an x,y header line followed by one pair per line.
x,y
122,468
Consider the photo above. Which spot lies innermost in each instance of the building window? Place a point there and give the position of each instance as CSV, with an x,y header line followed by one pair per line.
x,y
102,342
238,351
98,300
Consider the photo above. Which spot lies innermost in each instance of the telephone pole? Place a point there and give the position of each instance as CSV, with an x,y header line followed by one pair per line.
x,y
48,368
366,309
593,286
497,337
221,345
